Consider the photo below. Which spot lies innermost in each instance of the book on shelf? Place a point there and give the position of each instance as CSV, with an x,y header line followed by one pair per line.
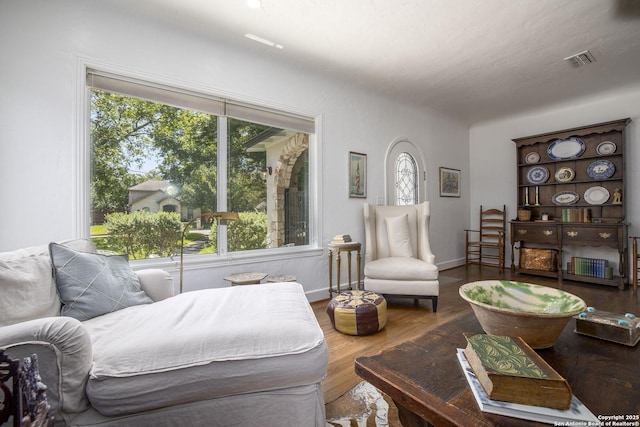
x,y
578,412
588,267
341,238
576,215
511,371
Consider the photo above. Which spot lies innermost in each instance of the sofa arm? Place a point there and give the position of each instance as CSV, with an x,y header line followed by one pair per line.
x,y
64,354
156,283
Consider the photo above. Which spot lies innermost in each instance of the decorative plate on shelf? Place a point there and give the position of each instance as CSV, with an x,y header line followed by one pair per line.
x,y
532,157
565,198
606,147
537,175
601,169
565,174
565,149
596,195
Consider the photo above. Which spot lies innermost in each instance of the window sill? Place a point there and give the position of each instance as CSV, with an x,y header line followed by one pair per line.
x,y
195,262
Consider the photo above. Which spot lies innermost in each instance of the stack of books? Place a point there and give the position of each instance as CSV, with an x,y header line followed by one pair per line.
x,y
507,377
341,238
576,215
589,267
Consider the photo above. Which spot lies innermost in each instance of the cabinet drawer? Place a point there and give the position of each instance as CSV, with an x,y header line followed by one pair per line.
x,y
600,236
532,234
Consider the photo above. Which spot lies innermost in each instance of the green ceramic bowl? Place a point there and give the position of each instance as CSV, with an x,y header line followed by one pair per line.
x,y
537,314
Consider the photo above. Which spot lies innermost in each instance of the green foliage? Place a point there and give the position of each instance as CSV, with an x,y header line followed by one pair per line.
x,y
248,232
127,132
141,234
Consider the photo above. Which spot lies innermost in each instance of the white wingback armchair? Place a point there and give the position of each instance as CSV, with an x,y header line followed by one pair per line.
x,y
398,258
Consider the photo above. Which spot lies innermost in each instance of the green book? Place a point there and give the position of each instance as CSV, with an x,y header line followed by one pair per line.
x,y
511,371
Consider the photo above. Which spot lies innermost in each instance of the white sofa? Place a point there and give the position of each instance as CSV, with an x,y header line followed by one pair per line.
x,y
233,356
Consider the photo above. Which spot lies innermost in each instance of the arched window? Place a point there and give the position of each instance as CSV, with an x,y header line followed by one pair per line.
x,y
406,180
405,177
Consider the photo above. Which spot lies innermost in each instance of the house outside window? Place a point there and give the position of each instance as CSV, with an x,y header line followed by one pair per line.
x,y
193,157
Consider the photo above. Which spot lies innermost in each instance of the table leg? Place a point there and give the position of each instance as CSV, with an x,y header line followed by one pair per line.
x,y
349,268
359,285
330,272
622,268
338,274
409,419
634,265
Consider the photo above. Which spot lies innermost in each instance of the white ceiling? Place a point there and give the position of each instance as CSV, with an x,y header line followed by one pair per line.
x,y
474,59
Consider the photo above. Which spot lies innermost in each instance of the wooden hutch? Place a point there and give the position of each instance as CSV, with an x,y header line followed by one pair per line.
x,y
573,184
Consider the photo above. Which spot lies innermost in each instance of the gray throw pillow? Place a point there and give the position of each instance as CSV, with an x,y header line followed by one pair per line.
x,y
91,285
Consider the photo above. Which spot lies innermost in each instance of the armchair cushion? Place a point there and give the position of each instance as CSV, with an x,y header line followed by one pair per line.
x,y
400,268
399,236
91,285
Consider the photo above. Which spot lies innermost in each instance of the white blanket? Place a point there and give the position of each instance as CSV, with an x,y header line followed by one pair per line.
x,y
197,328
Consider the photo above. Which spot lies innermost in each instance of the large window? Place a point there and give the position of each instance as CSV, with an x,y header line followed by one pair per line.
x,y
170,166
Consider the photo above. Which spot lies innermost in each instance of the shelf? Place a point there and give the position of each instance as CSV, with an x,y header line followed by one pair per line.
x,y
577,278
593,181
545,193
554,162
536,272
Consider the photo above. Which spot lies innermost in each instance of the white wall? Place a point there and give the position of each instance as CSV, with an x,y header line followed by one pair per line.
x,y
43,44
493,153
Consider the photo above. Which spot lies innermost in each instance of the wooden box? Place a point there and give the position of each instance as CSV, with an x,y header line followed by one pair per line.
x,y
619,328
539,259
509,370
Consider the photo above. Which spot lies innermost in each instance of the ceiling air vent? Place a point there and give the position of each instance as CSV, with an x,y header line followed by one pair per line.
x,y
580,59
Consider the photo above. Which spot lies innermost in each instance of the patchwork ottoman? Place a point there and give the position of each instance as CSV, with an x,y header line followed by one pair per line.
x,y
358,312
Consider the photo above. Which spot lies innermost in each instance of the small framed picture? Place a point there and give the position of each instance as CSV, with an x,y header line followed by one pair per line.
x,y
357,174
449,182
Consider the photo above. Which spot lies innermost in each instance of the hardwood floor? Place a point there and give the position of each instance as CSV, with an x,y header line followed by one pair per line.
x,y
406,321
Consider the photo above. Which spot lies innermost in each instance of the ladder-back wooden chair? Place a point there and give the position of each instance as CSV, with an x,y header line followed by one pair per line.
x,y
486,246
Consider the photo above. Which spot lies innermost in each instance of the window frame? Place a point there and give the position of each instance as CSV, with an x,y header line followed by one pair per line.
x,y
82,165
397,147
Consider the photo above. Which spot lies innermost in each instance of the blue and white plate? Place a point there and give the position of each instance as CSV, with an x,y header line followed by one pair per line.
x,y
601,169
565,198
537,175
565,149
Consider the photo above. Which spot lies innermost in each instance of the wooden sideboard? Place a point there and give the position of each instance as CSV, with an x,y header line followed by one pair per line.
x,y
557,235
576,179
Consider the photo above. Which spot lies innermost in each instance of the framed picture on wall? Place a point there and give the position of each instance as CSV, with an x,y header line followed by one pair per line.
x,y
357,174
449,182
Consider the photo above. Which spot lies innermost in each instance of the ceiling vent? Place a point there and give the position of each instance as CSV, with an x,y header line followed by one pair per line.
x,y
580,59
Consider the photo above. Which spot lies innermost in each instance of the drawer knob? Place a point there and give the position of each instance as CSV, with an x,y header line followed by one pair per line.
x,y
605,235
547,232
572,233
520,231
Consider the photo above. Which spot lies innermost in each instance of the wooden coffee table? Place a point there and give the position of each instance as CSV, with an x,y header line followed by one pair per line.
x,y
425,380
